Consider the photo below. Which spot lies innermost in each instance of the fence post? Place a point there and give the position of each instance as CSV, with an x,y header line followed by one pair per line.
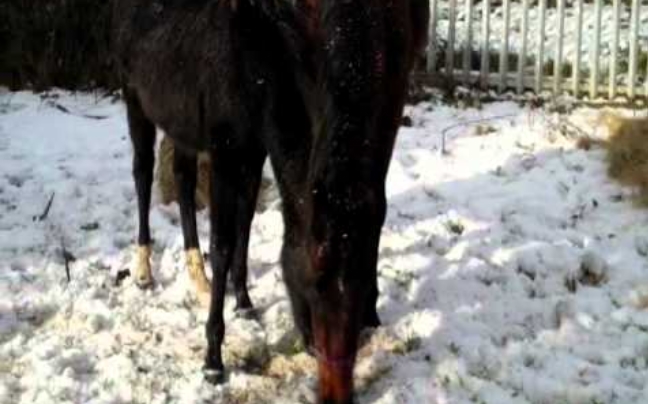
x,y
559,49
485,50
451,40
522,59
634,30
503,61
596,51
614,55
467,51
540,56
577,57
432,41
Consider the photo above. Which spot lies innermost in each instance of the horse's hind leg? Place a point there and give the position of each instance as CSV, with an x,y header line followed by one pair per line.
x,y
231,207
250,179
185,168
142,134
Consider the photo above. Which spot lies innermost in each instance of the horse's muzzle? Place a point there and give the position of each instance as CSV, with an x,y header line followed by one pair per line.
x,y
335,380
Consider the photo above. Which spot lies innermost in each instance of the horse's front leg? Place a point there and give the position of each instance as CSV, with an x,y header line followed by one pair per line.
x,y
233,194
142,134
185,168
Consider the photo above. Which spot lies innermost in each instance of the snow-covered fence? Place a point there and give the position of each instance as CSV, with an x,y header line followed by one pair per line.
x,y
592,48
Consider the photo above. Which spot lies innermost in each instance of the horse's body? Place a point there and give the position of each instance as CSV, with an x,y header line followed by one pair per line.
x,y
216,76
237,78
220,77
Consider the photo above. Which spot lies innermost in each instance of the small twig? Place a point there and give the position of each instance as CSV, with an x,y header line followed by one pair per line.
x,y
67,256
65,110
67,259
447,129
43,215
570,130
576,128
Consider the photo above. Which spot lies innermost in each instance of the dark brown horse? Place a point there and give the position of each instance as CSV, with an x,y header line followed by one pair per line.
x,y
320,91
216,76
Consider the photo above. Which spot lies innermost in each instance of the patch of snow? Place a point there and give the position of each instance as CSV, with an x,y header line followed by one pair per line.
x,y
512,270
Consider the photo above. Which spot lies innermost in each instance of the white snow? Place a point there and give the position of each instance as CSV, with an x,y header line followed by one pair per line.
x,y
512,270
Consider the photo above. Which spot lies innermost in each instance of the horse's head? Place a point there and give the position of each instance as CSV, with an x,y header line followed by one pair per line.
x,y
343,250
363,52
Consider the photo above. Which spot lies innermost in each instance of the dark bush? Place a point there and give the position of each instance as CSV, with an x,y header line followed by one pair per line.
x,y
55,43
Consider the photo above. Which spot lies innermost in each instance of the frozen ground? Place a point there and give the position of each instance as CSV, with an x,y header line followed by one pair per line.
x,y
511,271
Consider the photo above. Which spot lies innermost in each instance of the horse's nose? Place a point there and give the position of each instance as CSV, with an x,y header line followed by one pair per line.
x,y
332,401
335,381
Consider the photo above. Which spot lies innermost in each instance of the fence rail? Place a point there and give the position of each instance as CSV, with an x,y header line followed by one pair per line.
x,y
589,48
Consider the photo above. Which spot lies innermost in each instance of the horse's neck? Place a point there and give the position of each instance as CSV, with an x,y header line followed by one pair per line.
x,y
308,4
311,10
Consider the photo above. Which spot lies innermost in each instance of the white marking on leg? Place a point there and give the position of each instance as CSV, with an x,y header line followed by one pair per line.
x,y
143,276
196,267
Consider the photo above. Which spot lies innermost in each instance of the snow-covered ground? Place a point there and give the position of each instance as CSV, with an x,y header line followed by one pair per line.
x,y
511,271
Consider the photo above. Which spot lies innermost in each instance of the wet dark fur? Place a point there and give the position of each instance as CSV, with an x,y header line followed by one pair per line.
x,y
238,79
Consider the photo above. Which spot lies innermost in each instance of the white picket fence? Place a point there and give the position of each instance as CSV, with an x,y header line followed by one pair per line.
x,y
465,44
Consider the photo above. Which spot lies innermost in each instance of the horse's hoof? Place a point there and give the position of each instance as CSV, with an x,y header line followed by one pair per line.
x,y
144,283
247,313
214,376
143,277
371,321
244,307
